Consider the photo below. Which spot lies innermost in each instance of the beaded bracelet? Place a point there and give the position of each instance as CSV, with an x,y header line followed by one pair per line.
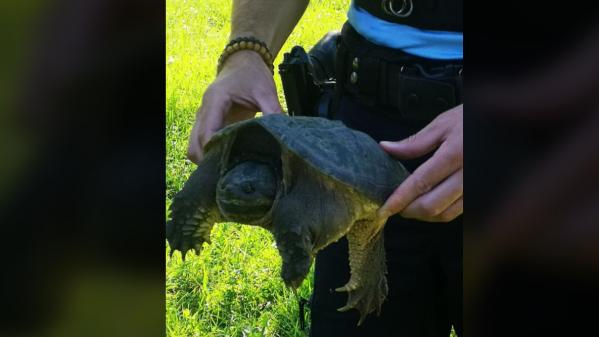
x,y
246,43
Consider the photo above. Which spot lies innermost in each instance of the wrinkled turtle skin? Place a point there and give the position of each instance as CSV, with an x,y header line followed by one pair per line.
x,y
309,181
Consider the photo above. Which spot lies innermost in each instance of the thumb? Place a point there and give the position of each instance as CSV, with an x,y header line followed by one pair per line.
x,y
416,145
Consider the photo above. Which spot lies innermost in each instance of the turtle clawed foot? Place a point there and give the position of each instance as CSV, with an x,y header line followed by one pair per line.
x,y
364,298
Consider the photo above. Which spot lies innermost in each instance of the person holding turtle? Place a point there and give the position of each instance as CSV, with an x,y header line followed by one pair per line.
x,y
399,79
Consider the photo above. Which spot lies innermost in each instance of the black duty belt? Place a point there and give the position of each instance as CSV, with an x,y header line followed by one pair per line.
x,y
424,14
417,88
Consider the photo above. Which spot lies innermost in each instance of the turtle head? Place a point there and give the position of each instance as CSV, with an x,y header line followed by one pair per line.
x,y
246,193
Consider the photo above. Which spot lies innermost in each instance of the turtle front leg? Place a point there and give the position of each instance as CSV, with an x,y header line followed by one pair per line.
x,y
367,287
194,210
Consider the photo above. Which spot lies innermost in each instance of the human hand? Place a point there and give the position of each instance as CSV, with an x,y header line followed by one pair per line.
x,y
434,191
243,87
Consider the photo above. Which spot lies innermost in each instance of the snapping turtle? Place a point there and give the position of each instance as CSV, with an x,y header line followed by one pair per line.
x,y
309,181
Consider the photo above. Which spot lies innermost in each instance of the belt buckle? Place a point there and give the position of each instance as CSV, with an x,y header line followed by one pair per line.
x,y
407,6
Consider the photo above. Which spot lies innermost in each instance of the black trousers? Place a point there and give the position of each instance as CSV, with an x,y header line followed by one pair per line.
x,y
424,259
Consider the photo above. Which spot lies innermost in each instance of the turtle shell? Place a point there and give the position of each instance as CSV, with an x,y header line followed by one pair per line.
x,y
346,155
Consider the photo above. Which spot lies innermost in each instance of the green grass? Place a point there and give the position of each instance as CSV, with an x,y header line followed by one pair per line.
x,y
233,288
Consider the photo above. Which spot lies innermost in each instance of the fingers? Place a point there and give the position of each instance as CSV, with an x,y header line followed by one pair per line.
x,y
417,145
242,88
440,166
211,114
209,120
452,212
194,148
218,110
429,138
431,205
435,189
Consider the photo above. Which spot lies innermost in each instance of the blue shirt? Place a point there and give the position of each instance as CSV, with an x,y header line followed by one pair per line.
x,y
431,44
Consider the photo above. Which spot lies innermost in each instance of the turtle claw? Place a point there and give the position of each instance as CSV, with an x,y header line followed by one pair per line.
x,y
183,253
344,308
350,286
365,299
342,289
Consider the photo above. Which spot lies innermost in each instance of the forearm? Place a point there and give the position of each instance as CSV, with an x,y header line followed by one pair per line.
x,y
268,20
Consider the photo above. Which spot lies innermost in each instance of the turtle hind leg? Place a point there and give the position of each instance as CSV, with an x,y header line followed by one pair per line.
x,y
367,287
